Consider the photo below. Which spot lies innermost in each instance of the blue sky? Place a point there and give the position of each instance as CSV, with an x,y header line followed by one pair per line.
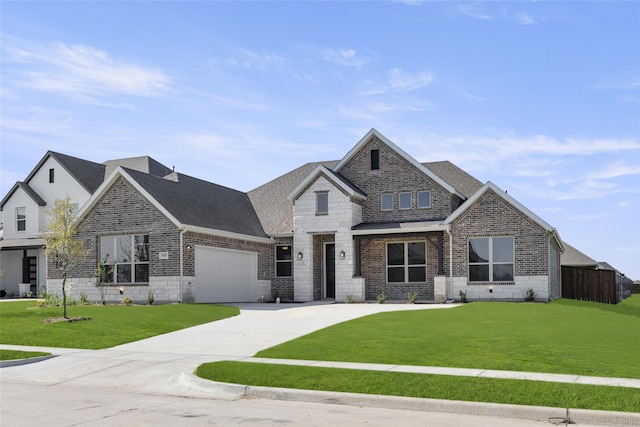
x,y
541,98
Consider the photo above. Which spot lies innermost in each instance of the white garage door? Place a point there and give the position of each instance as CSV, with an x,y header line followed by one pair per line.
x,y
224,275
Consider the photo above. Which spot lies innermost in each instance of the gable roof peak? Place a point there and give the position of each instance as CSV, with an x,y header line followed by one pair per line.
x,y
374,132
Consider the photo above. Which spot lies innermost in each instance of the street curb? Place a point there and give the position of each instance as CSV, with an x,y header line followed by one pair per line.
x,y
534,413
20,362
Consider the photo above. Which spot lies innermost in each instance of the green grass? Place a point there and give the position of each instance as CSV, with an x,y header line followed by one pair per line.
x,y
517,392
17,354
564,336
111,325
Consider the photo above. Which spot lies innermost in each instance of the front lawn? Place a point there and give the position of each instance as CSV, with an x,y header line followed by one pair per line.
x,y
516,392
111,325
564,336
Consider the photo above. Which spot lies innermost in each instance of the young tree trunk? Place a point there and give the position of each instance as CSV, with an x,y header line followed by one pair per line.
x,y
64,295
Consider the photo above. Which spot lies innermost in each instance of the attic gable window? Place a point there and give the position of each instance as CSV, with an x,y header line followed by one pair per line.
x,y
21,219
51,175
424,199
322,203
375,160
404,200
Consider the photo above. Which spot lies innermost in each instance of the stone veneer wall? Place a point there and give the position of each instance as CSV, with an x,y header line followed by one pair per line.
x,y
395,175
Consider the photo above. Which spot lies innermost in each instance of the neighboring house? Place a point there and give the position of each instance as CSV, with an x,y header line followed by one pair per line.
x,y
376,221
22,255
24,213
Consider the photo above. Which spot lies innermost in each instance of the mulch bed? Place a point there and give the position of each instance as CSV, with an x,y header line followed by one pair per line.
x,y
64,319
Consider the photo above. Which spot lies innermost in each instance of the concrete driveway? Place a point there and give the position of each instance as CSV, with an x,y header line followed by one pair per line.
x,y
158,364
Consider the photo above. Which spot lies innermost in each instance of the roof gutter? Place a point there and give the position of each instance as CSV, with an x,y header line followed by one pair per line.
x,y
409,229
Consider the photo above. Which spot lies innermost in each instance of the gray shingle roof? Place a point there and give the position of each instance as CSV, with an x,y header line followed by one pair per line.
x,y
27,189
142,163
572,257
200,203
89,174
455,177
271,201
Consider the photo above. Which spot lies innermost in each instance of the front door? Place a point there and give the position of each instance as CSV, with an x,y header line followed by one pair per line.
x,y
330,269
30,272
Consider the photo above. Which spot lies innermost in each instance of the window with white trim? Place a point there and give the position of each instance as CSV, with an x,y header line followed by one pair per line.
x,y
406,262
283,260
126,258
491,259
386,202
21,219
404,200
322,203
424,199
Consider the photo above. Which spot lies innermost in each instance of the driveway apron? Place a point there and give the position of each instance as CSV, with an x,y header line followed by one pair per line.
x,y
158,364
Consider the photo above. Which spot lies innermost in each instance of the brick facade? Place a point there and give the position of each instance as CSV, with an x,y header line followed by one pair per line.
x,y
395,175
492,216
123,210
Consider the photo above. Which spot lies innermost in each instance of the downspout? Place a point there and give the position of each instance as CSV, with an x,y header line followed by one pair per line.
x,y
182,231
448,230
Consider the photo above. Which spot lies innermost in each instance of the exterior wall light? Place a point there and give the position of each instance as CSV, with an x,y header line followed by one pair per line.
x,y
491,289
342,255
121,289
300,256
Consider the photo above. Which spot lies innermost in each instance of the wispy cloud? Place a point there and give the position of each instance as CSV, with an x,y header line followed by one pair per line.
x,y
79,71
247,59
615,170
473,11
524,18
398,80
403,81
345,57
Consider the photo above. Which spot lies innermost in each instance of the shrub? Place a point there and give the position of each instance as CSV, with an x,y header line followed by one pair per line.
x,y
150,297
530,295
50,299
412,296
349,299
381,298
463,296
126,301
84,300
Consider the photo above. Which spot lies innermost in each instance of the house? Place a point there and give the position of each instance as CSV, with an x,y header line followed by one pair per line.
x,y
24,213
587,279
22,255
376,221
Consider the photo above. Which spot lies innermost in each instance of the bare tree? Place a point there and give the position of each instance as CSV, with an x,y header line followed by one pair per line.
x,y
62,246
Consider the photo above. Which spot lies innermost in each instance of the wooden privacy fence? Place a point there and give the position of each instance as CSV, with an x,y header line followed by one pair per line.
x,y
590,285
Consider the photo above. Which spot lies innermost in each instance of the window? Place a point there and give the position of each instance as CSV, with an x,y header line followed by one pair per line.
x,y
424,199
283,261
386,202
127,258
491,259
406,262
322,203
375,160
51,175
21,219
404,201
